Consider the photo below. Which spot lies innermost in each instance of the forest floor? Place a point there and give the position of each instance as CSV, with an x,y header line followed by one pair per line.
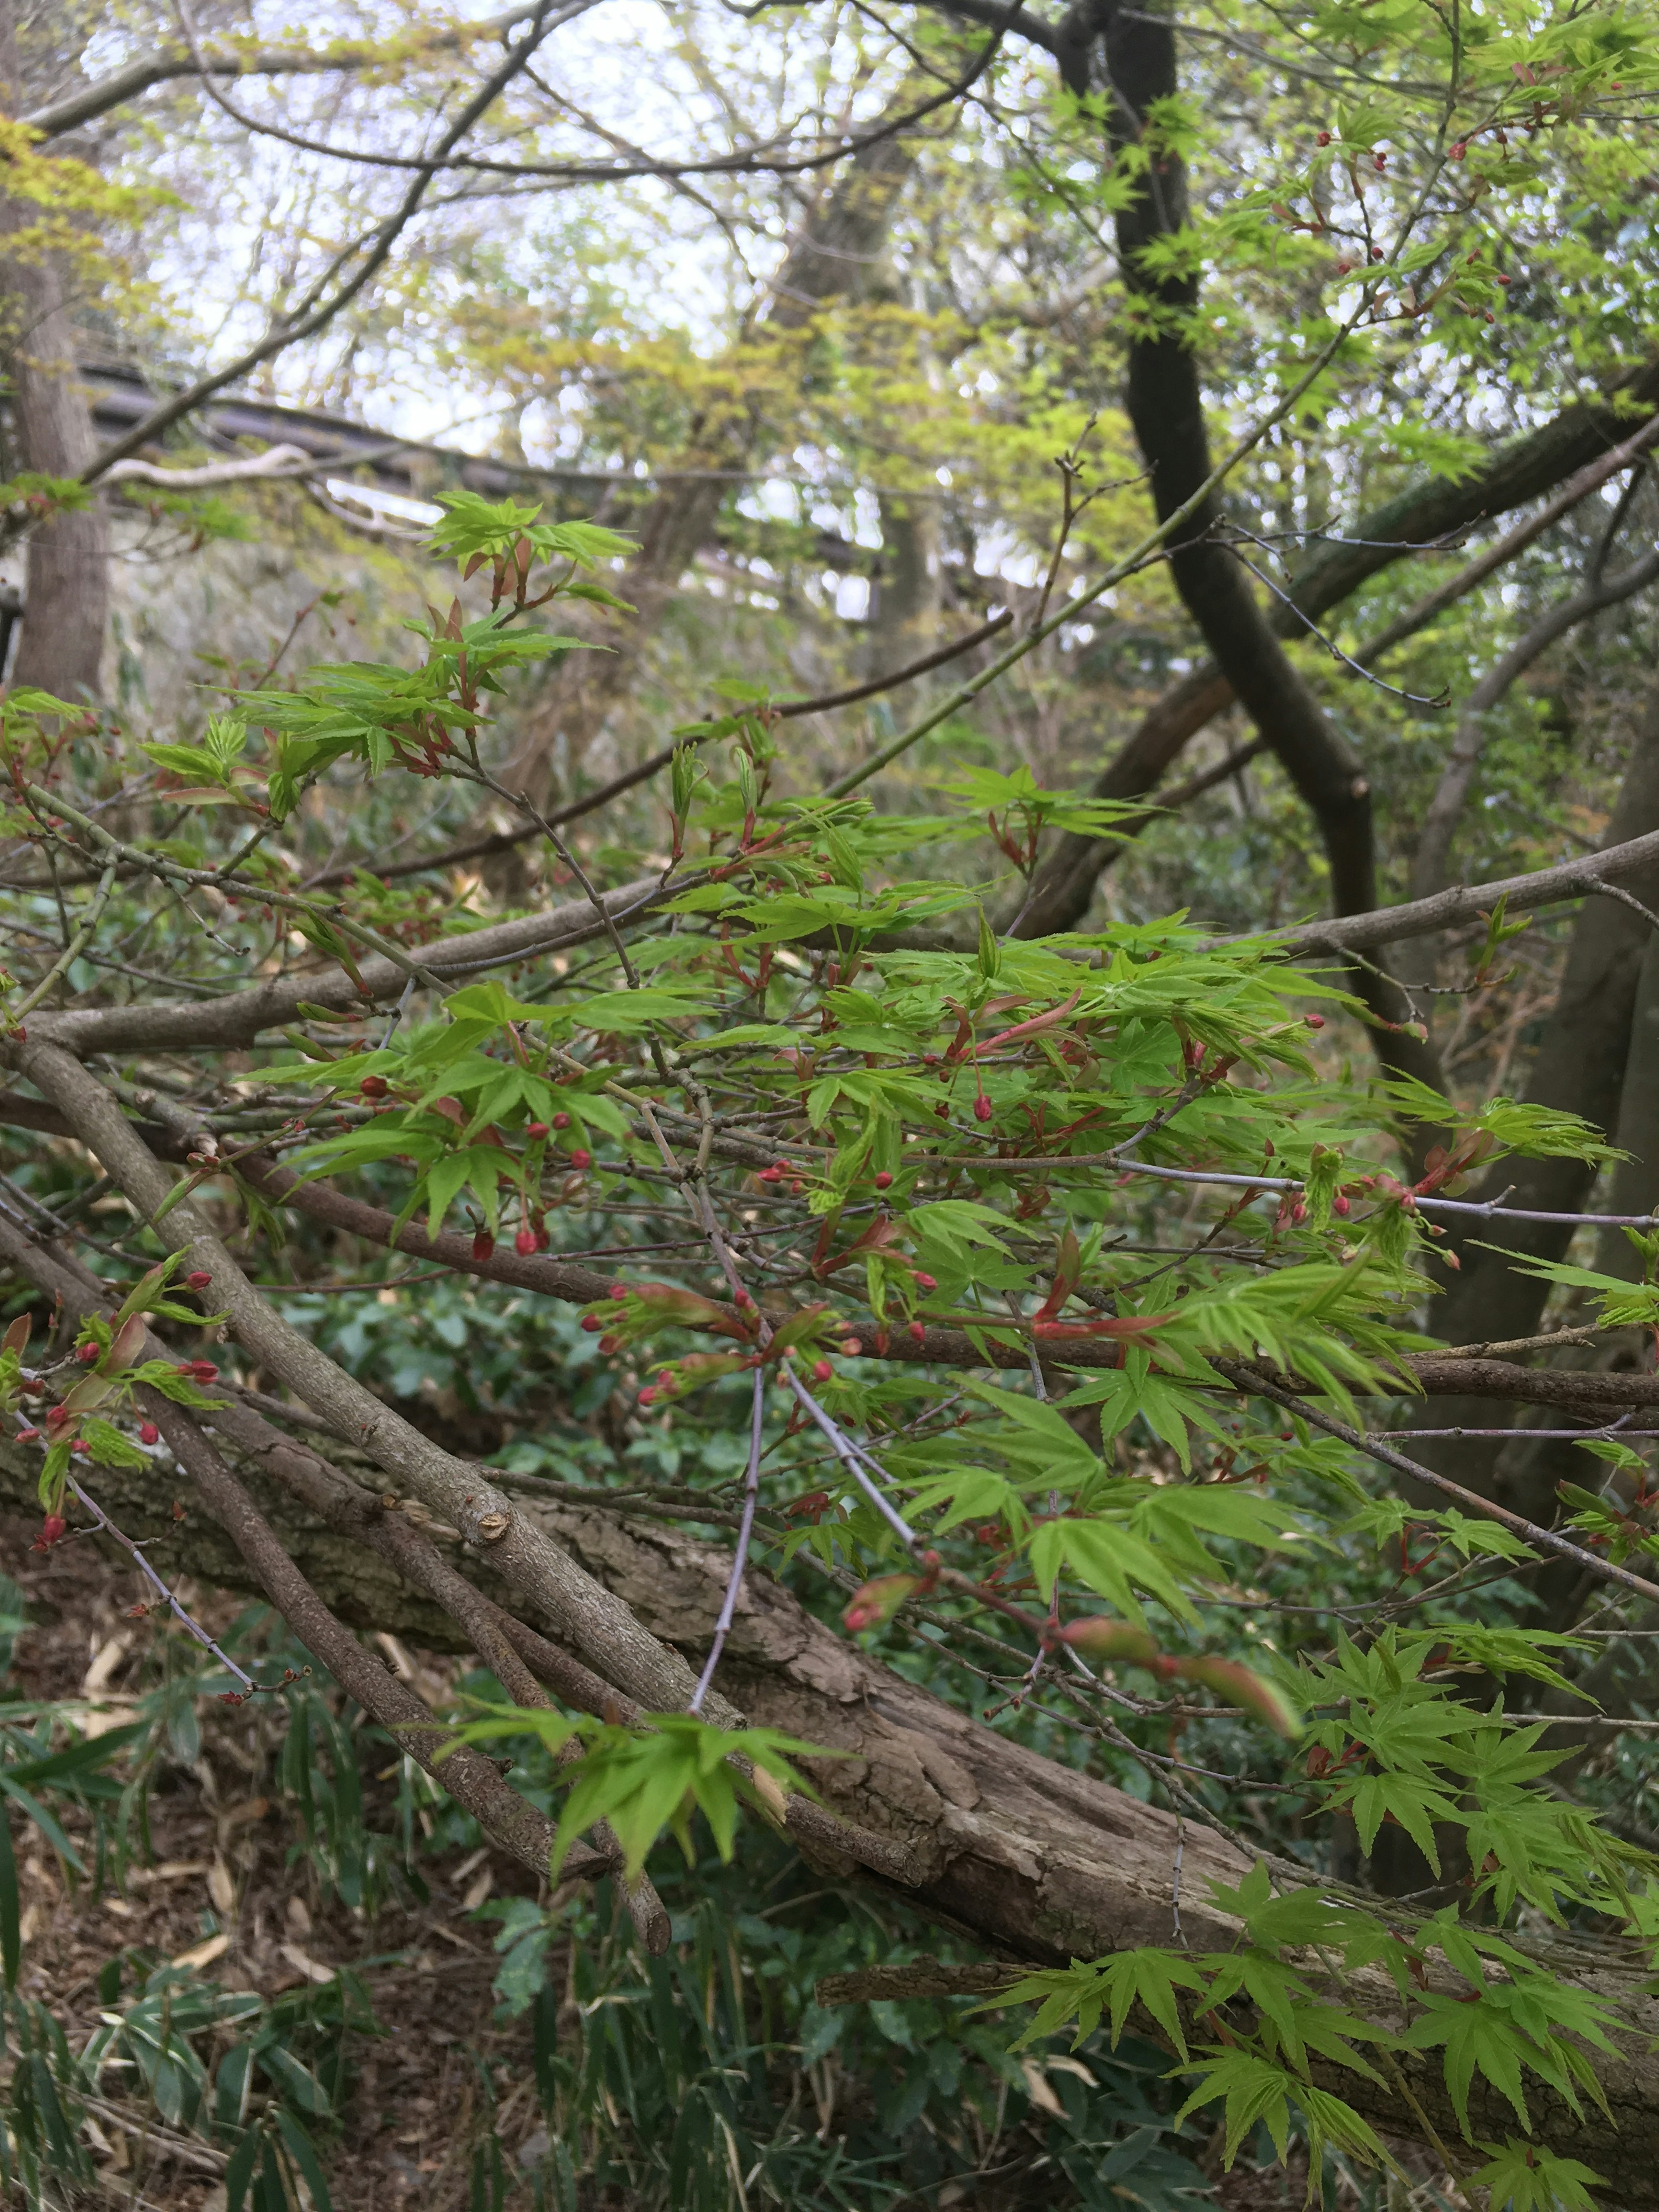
x,y
222,1856
218,1879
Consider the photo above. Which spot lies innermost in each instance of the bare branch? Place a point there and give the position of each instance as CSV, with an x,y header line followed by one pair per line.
x,y
126,83
1572,879
1573,492
320,304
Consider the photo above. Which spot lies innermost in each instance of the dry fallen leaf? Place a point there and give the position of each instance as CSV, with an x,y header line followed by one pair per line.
x,y
221,1889
204,1954
313,1969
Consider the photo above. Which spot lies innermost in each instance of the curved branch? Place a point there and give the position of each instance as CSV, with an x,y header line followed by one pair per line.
x,y
1573,492
1433,862
453,1488
1166,409
1580,438
126,83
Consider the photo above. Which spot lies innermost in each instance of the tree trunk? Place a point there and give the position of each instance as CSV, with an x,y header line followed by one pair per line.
x,y
1166,408
1580,1068
66,586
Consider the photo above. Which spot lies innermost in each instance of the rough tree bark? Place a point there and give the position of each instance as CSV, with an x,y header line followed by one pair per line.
x,y
1035,1861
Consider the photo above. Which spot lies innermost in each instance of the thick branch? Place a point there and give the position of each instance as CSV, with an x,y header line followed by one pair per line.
x,y
1620,863
1581,437
450,1487
470,1779
217,1024
1166,407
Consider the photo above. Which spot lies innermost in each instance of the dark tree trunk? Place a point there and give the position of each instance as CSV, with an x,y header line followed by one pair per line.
x,y
1590,1045
1517,473
1166,409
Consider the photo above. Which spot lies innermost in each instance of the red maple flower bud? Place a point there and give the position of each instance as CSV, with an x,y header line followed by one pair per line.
x,y
88,1354
483,1247
581,1157
771,1175
27,1435
823,1371
850,1347
203,1370
591,1323
373,1086
53,1530
535,1131
524,1242
57,1416
1381,161
943,1112
926,1282
1323,139
883,1181
981,1107
1459,150
647,1396
149,1433
562,1121
918,1332
1314,1021
198,1280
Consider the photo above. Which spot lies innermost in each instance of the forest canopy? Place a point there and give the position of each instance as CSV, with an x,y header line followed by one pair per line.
x,y
829,1132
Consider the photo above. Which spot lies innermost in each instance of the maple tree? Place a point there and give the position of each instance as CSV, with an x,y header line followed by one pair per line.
x,y
1027,1290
